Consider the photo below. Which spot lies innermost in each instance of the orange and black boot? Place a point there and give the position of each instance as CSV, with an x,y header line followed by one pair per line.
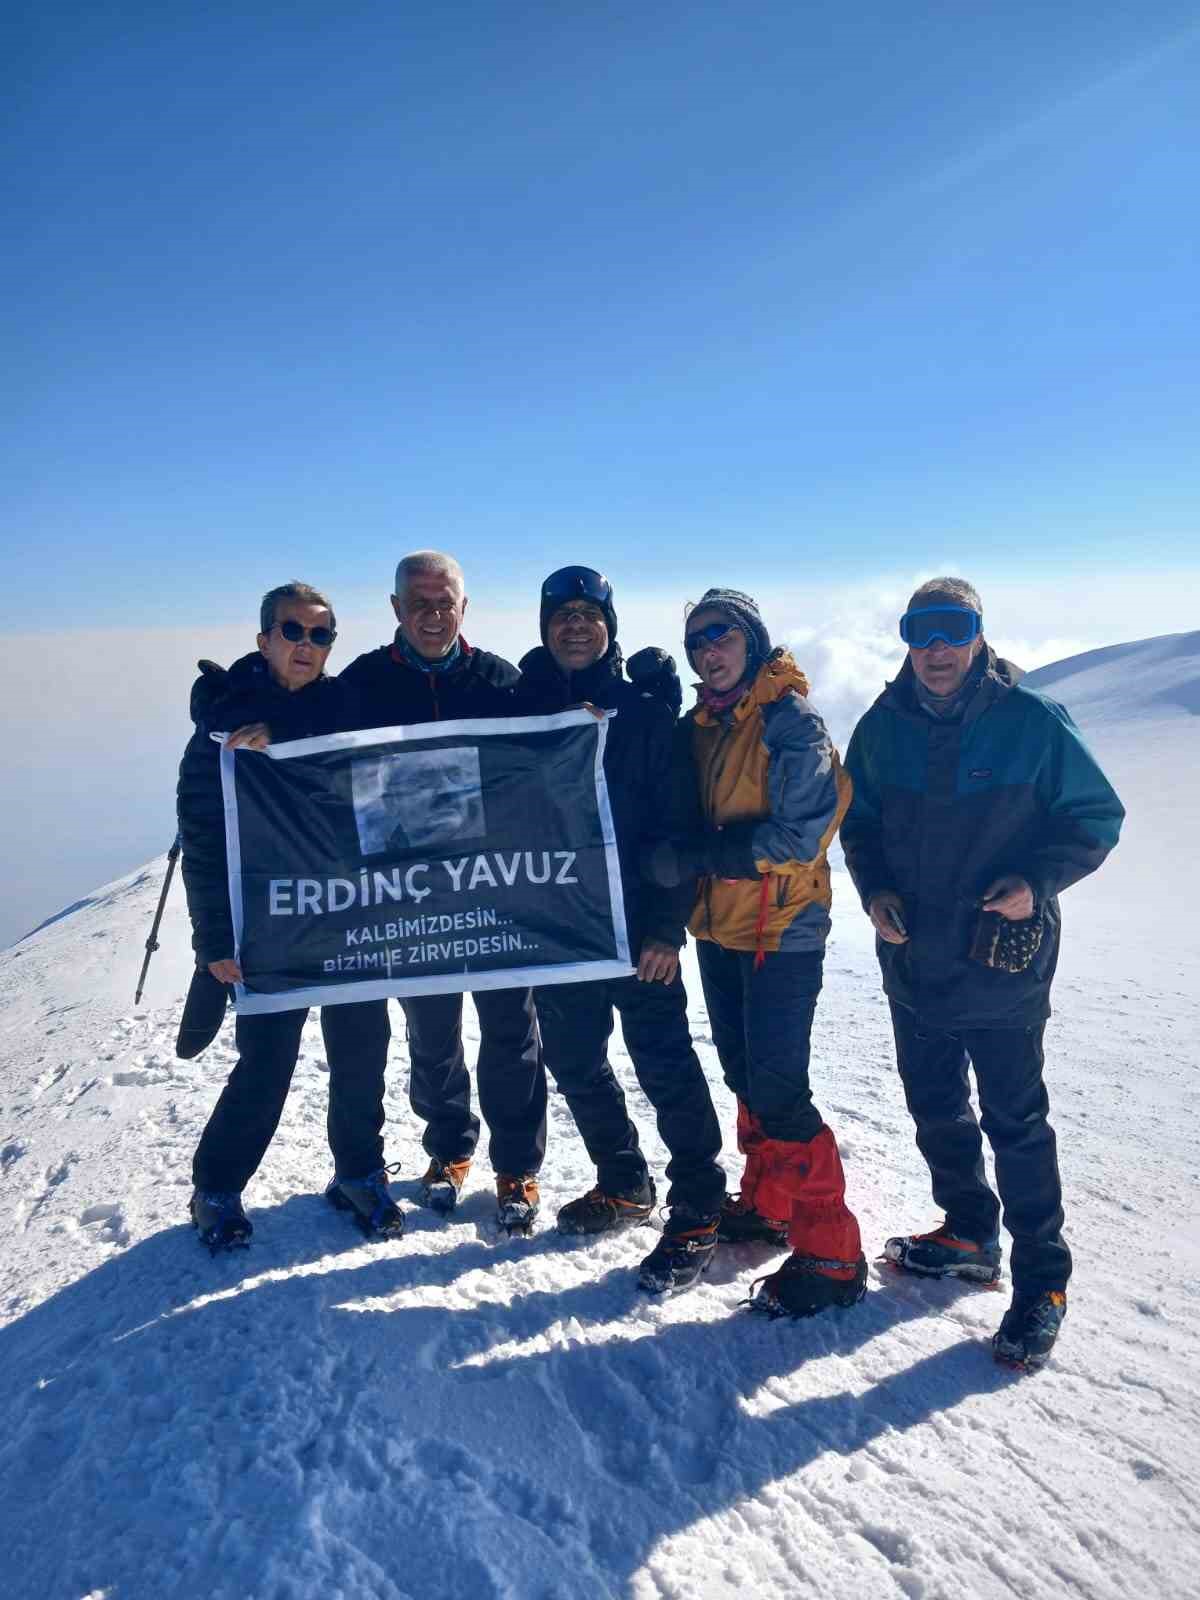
x,y
517,1201
439,1188
599,1212
942,1253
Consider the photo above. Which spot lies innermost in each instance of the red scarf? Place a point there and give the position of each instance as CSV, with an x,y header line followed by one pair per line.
x,y
717,702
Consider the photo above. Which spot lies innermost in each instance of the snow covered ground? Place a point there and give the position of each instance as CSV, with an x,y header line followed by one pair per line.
x,y
448,1414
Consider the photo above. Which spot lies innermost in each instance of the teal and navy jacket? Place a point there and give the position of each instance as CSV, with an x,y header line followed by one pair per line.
x,y
940,809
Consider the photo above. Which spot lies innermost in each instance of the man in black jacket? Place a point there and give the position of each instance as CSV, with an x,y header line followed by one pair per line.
x,y
430,673
277,693
580,662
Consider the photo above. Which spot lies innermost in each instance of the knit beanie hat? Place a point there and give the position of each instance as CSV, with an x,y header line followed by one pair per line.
x,y
743,612
578,583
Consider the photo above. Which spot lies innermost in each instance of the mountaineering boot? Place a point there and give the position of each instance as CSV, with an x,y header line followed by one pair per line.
x,y
683,1254
806,1284
517,1201
1026,1335
942,1253
370,1202
439,1188
597,1212
740,1222
220,1221
826,1266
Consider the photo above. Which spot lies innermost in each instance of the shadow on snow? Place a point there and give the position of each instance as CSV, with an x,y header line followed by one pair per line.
x,y
261,1423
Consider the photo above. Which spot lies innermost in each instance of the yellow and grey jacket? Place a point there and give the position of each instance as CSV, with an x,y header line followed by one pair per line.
x,y
771,793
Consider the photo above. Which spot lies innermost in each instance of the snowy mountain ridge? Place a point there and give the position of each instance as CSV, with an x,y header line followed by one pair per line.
x,y
1149,679
320,1417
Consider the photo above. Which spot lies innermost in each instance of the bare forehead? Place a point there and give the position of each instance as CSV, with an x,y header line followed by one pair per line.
x,y
303,611
433,586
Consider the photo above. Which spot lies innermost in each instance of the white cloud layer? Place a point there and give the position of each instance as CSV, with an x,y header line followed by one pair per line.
x,y
95,721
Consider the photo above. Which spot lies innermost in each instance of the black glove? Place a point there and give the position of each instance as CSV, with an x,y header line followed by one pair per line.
x,y
670,864
653,672
203,1014
729,851
724,853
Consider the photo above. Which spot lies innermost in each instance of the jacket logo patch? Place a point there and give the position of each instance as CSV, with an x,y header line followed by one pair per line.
x,y
980,772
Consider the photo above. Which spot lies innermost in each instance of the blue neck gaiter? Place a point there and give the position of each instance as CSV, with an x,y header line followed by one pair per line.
x,y
422,663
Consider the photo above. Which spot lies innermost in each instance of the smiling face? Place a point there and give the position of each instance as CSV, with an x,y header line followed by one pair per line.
x,y
942,667
722,662
577,635
430,613
295,666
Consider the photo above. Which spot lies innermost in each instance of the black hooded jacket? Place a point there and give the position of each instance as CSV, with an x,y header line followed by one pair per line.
x,y
637,769
222,701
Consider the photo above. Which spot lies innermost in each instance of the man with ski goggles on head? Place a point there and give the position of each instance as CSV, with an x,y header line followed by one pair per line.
x,y
579,661
975,804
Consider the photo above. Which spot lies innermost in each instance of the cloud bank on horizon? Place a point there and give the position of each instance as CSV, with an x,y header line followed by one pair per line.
x,y
100,717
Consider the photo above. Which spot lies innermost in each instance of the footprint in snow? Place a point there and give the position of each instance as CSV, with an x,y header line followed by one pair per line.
x,y
108,1221
12,1152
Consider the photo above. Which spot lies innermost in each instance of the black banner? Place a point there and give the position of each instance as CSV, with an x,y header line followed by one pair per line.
x,y
423,860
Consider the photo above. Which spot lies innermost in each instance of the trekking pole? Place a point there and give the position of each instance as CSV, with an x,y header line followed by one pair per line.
x,y
152,941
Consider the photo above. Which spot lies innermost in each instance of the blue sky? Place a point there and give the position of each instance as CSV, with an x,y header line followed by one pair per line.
x,y
817,299
683,290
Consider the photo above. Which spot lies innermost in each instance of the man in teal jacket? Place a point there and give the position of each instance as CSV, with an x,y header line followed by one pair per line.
x,y
976,802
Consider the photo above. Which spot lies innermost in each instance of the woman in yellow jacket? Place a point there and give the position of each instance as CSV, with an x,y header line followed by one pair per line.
x,y
766,792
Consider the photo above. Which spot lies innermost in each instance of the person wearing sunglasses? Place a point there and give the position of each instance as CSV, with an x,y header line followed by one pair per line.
x,y
975,804
278,692
763,792
579,661
428,673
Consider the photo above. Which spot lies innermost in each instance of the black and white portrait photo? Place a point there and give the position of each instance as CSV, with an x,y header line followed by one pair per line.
x,y
418,799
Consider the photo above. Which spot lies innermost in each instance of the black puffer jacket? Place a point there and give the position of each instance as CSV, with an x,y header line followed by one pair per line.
x,y
637,768
382,690
221,702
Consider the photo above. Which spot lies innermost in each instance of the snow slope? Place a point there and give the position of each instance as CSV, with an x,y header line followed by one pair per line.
x,y
449,1414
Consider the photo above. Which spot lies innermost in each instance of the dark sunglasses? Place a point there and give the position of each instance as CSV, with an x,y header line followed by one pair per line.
x,y
577,583
293,632
954,625
710,633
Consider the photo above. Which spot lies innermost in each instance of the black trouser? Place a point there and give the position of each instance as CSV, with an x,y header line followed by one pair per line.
x,y
1014,1107
244,1119
511,1078
761,1020
577,1020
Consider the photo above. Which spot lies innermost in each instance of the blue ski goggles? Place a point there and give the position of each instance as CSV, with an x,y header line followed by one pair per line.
x,y
954,625
576,583
711,633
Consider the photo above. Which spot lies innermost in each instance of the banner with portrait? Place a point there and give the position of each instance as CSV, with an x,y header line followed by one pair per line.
x,y
423,860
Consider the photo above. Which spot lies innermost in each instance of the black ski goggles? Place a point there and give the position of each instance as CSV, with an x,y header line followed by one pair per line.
x,y
954,625
576,583
294,632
